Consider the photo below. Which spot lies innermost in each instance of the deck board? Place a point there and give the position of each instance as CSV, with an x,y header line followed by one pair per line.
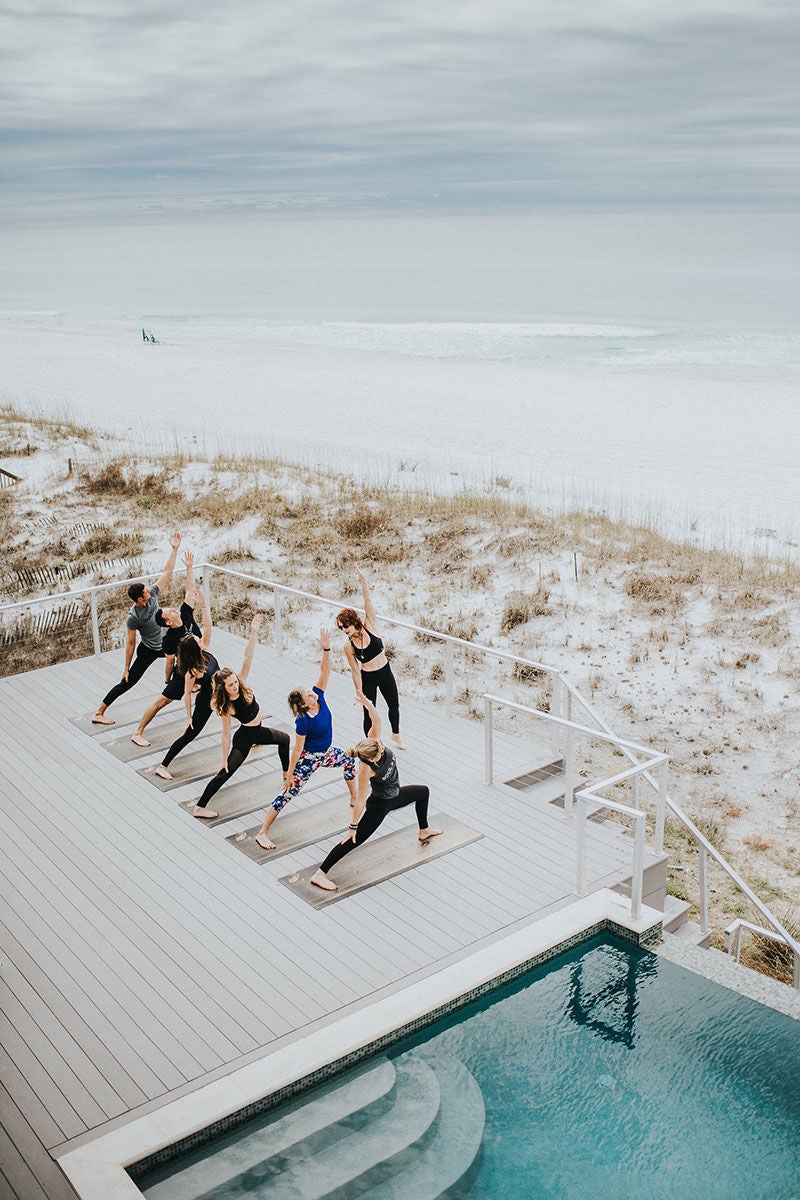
x,y
144,954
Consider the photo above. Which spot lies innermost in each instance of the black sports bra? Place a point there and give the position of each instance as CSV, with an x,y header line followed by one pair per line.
x,y
244,711
373,648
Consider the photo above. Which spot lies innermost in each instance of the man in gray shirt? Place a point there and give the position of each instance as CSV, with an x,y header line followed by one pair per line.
x,y
142,620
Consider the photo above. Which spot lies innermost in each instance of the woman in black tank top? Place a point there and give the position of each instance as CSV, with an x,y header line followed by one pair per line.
x,y
377,768
367,660
231,697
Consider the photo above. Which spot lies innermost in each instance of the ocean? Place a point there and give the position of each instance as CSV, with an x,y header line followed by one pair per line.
x,y
644,366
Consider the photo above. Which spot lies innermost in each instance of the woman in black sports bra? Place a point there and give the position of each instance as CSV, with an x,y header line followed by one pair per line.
x,y
232,698
367,659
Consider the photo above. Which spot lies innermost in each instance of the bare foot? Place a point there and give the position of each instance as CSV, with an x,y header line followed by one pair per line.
x,y
161,771
425,835
398,741
320,880
205,814
101,719
264,842
139,740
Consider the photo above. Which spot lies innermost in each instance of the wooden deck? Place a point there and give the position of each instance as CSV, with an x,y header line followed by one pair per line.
x,y
145,954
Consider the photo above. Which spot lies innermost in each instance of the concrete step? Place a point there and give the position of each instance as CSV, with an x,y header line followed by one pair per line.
x,y
675,913
691,932
310,1126
452,1156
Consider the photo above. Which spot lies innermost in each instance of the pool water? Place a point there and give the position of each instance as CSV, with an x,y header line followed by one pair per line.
x,y
608,1072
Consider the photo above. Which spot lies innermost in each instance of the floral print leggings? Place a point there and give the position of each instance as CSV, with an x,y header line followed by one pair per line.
x,y
307,764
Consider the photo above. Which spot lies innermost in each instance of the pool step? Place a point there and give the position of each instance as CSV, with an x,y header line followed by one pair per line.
x,y
452,1155
409,1127
308,1128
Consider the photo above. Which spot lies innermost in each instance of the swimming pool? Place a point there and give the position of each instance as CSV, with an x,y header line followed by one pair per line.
x,y
607,1072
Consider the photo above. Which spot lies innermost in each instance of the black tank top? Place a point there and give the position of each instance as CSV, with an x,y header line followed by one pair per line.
x,y
244,711
210,668
372,649
385,782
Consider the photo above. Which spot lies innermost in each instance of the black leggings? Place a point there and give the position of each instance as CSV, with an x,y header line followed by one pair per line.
x,y
383,678
375,812
144,658
244,739
200,718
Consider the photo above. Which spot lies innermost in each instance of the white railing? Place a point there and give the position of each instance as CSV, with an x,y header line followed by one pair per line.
x,y
589,797
565,700
733,942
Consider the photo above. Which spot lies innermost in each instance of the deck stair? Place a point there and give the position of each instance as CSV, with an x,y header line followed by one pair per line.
x,y
544,781
676,921
410,1126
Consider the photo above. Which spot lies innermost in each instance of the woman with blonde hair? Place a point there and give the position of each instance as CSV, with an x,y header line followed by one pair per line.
x,y
231,697
313,743
377,769
367,660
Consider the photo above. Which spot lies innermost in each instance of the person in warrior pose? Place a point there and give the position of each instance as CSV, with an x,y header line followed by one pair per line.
x,y
231,697
142,620
196,668
367,659
377,769
313,740
179,623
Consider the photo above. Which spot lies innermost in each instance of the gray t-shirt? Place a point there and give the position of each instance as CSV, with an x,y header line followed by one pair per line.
x,y
143,621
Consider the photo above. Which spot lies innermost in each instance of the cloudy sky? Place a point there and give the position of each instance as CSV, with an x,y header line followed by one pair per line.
x,y
115,110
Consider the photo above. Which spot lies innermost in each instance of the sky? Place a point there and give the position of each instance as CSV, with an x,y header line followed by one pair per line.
x,y
122,111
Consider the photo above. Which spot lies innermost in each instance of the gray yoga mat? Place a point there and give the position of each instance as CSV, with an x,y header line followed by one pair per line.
x,y
239,799
160,734
302,827
193,765
124,712
381,858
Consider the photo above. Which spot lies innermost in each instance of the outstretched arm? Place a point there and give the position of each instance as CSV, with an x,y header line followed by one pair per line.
x,y
325,664
169,566
369,607
130,646
226,739
188,688
200,598
374,716
250,648
363,777
354,665
188,592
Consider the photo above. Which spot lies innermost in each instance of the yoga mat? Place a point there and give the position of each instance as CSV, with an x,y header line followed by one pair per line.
x,y
124,712
293,830
161,735
199,764
381,858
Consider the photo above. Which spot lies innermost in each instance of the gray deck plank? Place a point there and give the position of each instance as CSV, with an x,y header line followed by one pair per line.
x,y
194,765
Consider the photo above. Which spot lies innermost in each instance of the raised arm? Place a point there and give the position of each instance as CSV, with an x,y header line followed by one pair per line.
x,y
200,598
250,648
325,664
374,716
188,591
369,607
169,566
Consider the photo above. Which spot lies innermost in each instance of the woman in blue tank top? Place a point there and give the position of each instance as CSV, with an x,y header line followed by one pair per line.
x,y
312,743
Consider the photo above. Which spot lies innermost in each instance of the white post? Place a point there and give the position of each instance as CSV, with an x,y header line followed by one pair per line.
x,y
637,882
488,764
580,848
703,874
569,760
95,624
278,628
448,678
661,805
556,708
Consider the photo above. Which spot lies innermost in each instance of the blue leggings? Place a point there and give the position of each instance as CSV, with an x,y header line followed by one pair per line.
x,y
307,764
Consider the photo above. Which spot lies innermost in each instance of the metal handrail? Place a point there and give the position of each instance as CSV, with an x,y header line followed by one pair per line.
x,y
733,942
562,688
